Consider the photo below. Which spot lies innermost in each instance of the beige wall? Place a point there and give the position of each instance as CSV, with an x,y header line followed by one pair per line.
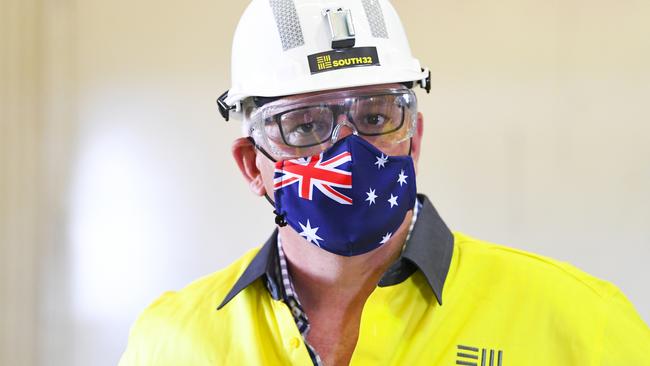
x,y
117,184
19,174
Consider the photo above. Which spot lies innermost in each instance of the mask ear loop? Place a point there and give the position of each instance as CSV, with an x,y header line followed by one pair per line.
x,y
279,219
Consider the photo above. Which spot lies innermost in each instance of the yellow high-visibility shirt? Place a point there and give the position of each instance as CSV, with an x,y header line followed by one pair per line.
x,y
500,306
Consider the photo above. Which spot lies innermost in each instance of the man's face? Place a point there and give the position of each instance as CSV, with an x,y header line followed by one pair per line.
x,y
259,170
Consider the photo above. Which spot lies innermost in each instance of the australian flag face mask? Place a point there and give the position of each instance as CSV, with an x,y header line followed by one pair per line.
x,y
348,200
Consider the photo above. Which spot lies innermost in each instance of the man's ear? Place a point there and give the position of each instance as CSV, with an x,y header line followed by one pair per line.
x,y
416,142
245,154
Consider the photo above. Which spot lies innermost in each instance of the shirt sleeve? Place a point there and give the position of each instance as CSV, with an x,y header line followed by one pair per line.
x,y
145,344
136,352
626,338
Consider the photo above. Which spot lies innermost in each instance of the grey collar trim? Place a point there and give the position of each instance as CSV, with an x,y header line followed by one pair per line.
x,y
429,249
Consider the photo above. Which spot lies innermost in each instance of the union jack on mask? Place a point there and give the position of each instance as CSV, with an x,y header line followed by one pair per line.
x,y
348,200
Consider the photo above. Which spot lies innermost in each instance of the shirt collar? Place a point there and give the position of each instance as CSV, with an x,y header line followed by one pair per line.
x,y
262,264
429,249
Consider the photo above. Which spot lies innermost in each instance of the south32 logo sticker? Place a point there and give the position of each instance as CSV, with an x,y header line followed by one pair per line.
x,y
474,356
342,59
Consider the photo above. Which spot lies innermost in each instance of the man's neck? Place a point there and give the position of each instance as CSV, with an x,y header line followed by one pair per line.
x,y
333,289
321,278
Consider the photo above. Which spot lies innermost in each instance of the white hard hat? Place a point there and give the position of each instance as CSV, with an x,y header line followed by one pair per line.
x,y
286,47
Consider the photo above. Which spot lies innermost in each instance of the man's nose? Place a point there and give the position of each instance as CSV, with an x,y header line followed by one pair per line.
x,y
343,128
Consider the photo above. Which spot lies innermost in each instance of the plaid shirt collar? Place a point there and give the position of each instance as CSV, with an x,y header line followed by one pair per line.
x,y
428,249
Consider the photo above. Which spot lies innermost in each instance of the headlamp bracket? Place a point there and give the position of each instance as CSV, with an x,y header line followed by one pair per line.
x,y
341,27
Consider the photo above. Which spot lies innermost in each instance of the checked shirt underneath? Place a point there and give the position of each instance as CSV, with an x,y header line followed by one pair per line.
x,y
289,296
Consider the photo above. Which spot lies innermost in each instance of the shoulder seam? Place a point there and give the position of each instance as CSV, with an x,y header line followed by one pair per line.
x,y
604,292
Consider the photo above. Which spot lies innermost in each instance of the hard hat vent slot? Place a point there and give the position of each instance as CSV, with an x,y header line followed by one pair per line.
x,y
286,18
375,18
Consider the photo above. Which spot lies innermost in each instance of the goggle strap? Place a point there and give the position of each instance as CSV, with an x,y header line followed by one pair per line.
x,y
224,109
261,149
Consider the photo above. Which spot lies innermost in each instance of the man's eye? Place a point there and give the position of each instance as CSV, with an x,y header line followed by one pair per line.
x,y
375,119
305,128
308,128
308,133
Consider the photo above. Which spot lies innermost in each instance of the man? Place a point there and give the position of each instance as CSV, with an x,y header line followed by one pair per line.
x,y
360,269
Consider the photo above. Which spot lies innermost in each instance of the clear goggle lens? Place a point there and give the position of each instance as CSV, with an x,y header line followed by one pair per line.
x,y
305,126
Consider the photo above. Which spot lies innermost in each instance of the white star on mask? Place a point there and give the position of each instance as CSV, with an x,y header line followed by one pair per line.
x,y
392,201
402,178
381,161
310,233
385,238
371,196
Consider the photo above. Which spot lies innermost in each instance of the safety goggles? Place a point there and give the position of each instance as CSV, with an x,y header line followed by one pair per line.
x,y
305,125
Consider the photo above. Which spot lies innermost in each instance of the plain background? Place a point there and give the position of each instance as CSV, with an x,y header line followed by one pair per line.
x,y
116,180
